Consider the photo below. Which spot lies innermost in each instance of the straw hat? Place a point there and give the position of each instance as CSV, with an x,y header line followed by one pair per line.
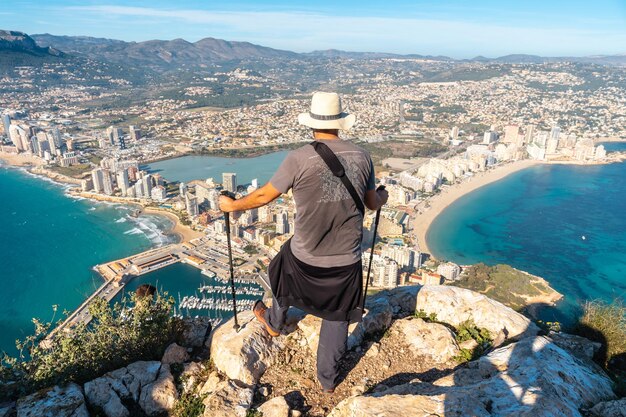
x,y
326,113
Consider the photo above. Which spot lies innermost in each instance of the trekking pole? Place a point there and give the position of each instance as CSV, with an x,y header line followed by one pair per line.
x,y
369,265
230,262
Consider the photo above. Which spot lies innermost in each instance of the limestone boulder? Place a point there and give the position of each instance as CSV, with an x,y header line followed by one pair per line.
x,y
615,408
228,400
276,407
432,340
579,346
533,377
67,401
401,299
244,355
211,384
377,318
454,306
194,331
100,393
159,397
175,353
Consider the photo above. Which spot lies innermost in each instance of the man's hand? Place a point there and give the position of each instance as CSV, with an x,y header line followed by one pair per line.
x,y
383,196
226,204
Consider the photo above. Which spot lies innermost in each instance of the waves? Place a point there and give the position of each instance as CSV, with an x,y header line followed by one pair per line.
x,y
148,226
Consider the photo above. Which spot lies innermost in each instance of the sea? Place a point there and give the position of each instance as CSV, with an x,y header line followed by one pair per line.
x,y
565,223
50,242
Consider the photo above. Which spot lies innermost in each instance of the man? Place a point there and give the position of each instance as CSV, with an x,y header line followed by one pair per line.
x,y
319,269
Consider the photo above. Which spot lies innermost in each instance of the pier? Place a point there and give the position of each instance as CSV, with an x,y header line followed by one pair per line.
x,y
209,255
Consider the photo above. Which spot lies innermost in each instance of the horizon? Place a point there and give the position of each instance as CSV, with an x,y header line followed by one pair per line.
x,y
453,29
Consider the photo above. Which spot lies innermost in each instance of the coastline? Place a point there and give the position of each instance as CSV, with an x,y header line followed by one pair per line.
x,y
34,166
430,209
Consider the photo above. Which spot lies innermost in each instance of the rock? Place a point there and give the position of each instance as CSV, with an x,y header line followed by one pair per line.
x,y
189,376
7,409
454,306
402,300
228,400
159,396
276,407
139,375
264,391
194,331
432,340
470,345
57,401
99,393
377,319
296,413
373,350
245,355
211,384
533,377
579,346
615,408
175,354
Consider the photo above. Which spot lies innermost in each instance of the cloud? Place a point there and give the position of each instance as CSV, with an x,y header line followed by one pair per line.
x,y
304,31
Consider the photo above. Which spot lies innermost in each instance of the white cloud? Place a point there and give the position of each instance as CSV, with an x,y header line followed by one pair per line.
x,y
301,31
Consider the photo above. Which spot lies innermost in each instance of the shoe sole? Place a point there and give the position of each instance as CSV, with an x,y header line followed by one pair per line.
x,y
259,316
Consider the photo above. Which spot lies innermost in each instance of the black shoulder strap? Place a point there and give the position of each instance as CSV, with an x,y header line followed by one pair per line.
x,y
335,166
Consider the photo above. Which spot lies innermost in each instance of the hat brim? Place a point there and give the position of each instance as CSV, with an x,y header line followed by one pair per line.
x,y
344,123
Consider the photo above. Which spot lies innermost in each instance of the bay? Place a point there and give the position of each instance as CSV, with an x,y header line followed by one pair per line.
x,y
566,223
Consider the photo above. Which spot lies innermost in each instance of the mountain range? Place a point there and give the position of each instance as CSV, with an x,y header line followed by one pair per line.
x,y
177,52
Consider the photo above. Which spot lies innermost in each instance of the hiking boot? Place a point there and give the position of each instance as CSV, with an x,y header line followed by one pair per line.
x,y
259,310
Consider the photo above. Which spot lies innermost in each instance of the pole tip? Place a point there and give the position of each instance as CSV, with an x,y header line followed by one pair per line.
x,y
236,327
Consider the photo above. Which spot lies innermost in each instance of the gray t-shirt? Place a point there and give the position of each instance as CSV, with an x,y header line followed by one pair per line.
x,y
329,227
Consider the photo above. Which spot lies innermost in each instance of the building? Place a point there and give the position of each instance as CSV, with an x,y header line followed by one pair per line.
x,y
229,181
404,256
511,134
529,134
191,203
182,189
430,278
490,137
123,182
69,159
86,184
159,193
449,271
6,121
135,133
282,223
384,271
97,177
454,133
555,133
203,192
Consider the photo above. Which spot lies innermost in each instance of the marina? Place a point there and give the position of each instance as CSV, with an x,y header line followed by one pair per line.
x,y
212,294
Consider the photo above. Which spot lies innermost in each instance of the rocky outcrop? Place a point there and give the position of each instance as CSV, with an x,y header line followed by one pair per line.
x,y
245,354
175,354
194,332
615,408
159,396
531,377
100,393
228,400
57,401
432,340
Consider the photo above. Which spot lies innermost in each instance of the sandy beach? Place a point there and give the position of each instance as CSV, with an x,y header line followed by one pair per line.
x,y
427,212
186,233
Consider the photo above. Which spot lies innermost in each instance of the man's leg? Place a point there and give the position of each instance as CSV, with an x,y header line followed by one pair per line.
x,y
332,346
276,316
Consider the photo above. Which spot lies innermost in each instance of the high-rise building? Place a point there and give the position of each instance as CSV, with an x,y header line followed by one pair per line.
x,y
229,181
55,137
182,189
97,176
555,133
282,223
135,133
20,137
191,203
107,182
449,271
490,137
123,182
146,182
6,121
159,193
454,133
529,134
511,133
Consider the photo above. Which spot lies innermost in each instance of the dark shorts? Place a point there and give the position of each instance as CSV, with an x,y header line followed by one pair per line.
x,y
330,293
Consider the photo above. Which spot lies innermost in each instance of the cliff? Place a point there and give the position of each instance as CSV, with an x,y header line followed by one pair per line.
x,y
419,351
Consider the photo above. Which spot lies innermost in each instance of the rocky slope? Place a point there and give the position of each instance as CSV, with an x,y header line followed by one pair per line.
x,y
13,41
399,364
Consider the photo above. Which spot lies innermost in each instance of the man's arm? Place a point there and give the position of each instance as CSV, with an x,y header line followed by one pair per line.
x,y
257,198
375,199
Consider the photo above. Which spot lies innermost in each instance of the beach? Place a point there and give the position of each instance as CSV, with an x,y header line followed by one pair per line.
x,y
428,210
186,233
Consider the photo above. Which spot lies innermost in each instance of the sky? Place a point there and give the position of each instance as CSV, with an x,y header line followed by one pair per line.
x,y
456,28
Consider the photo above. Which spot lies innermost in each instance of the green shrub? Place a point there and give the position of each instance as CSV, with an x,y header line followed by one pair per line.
x,y
468,331
421,314
138,328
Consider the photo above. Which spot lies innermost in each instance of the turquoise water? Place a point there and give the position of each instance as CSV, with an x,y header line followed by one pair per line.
x,y
189,168
565,223
49,244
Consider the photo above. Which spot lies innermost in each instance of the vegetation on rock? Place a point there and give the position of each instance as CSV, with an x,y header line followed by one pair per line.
x,y
134,329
